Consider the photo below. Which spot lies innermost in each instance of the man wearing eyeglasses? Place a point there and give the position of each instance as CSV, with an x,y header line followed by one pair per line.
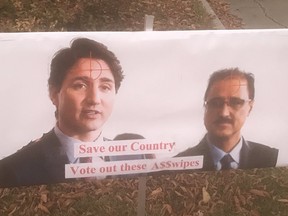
x,y
228,101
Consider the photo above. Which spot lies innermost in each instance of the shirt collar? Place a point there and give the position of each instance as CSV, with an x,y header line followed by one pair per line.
x,y
68,143
218,154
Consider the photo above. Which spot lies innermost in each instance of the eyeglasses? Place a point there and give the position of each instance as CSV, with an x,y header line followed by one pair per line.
x,y
233,102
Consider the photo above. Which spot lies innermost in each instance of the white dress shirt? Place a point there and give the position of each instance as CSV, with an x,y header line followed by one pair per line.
x,y
68,143
218,154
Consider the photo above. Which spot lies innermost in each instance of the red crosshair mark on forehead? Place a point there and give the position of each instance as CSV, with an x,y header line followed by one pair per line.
x,y
95,67
235,81
97,71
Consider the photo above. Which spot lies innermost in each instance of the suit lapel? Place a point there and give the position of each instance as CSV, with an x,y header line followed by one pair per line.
x,y
203,149
55,158
244,155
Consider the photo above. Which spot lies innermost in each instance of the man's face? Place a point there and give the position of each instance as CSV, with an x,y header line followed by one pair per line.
x,y
86,98
227,106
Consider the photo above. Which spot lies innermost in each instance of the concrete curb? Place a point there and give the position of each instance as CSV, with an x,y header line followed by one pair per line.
x,y
217,23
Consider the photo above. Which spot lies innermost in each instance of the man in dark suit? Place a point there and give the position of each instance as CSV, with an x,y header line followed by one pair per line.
x,y
228,101
84,79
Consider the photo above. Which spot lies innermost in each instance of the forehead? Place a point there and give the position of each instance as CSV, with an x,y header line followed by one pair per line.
x,y
91,68
229,87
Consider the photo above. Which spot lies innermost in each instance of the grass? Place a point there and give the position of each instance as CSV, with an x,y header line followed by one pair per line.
x,y
250,192
232,193
95,15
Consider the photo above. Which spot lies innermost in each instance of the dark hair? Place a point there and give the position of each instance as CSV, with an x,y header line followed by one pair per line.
x,y
232,72
128,136
65,59
131,136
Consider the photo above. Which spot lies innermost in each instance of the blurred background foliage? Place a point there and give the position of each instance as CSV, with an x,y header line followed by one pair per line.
x,y
101,15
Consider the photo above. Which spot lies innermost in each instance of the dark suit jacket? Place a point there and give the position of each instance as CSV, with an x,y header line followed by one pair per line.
x,y
42,162
39,162
252,155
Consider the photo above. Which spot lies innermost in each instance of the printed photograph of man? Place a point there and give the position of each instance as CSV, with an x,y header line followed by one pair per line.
x,y
83,83
228,101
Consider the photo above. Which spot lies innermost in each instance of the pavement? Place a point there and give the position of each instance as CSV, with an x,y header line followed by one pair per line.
x,y
261,13
216,21
258,14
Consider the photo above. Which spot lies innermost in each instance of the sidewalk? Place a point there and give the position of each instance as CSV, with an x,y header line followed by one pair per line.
x,y
258,14
216,21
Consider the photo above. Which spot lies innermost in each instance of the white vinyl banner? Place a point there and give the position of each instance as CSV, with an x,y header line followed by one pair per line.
x,y
101,169
86,104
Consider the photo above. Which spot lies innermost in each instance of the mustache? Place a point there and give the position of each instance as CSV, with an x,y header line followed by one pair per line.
x,y
222,120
